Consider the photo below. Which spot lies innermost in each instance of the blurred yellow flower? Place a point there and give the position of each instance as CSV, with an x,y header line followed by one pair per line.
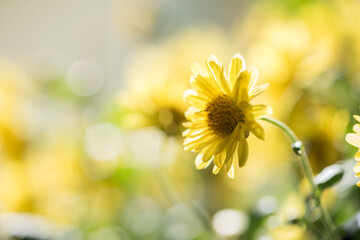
x,y
321,127
293,208
15,95
161,110
287,224
354,139
154,93
294,51
290,232
220,114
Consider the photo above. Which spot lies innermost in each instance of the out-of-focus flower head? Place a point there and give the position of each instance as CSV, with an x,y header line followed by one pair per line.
x,y
220,116
289,232
15,94
293,208
321,128
291,50
288,44
154,104
286,224
354,139
158,77
69,192
40,167
347,14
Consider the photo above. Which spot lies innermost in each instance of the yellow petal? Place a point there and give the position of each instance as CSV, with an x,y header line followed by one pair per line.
x,y
193,110
218,73
198,139
195,94
358,184
186,132
199,163
258,130
200,104
197,143
213,58
226,142
244,87
257,90
205,85
356,128
231,149
195,99
198,159
353,139
242,151
261,110
195,125
216,169
254,74
228,164
357,156
237,65
194,132
197,68
231,172
240,90
219,159
203,165
195,113
357,168
224,82
357,118
209,153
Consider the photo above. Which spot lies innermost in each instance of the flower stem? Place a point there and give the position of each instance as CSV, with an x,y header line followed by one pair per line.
x,y
174,199
300,151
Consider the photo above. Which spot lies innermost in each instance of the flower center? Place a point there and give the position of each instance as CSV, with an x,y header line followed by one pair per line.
x,y
169,119
223,115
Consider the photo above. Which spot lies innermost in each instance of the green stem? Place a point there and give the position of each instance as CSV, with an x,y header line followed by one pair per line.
x,y
167,188
300,151
173,199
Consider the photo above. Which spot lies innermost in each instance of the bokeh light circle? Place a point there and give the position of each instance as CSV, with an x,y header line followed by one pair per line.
x,y
229,222
104,142
85,77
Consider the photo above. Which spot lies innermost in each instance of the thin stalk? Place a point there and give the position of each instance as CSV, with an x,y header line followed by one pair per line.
x,y
172,196
173,199
300,151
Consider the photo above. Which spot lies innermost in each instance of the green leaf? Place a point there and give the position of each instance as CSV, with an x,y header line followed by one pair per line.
x,y
329,176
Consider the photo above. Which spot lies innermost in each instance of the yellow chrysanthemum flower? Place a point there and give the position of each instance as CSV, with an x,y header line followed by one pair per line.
x,y
154,94
220,117
354,139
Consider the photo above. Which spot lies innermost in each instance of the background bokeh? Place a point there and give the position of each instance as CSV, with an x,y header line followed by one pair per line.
x,y
91,110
